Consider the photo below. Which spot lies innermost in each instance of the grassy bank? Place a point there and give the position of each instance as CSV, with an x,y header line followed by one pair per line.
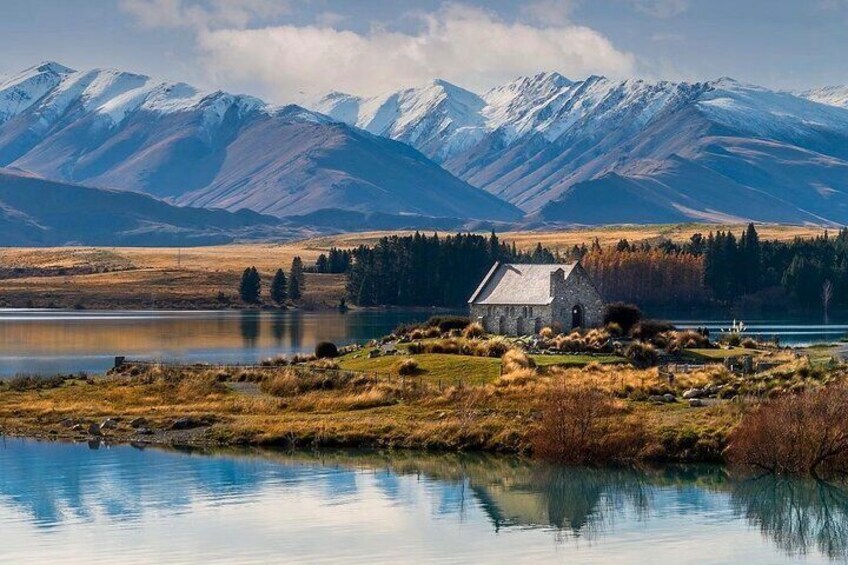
x,y
452,402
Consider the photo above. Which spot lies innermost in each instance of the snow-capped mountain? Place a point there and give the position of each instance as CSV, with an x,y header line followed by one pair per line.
x,y
113,129
718,150
830,95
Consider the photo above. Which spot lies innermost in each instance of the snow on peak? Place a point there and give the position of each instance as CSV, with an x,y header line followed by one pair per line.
x,y
52,90
829,95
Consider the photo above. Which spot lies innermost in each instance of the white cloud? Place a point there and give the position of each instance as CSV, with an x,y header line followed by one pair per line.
x,y
550,12
202,14
663,9
469,46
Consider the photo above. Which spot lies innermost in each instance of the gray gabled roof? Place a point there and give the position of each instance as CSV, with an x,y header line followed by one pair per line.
x,y
518,284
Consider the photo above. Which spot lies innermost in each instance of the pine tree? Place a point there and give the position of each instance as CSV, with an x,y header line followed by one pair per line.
x,y
296,279
279,292
250,286
322,264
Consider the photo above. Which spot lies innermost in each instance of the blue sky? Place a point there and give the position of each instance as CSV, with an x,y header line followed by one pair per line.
x,y
297,49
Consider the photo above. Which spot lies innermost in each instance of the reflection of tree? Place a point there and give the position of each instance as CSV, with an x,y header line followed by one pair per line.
x,y
798,515
296,328
278,327
249,327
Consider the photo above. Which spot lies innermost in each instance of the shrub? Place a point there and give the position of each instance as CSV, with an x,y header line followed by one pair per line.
x,y
448,323
649,329
626,316
614,329
581,425
546,333
473,330
497,347
804,433
516,360
407,367
749,343
326,350
675,341
733,339
642,355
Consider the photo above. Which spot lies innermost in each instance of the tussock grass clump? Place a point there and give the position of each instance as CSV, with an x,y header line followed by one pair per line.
x,y
474,330
547,333
516,360
675,341
291,382
642,355
21,383
408,367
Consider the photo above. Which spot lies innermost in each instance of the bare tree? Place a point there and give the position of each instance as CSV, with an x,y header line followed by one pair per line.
x,y
826,295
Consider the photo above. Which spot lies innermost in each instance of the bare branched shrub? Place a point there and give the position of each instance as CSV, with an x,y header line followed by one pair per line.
x,y
804,433
581,425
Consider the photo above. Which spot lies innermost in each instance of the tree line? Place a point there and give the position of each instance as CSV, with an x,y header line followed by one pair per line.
x,y
717,268
282,288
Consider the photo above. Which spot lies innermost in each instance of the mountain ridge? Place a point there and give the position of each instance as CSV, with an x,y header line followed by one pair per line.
x,y
111,129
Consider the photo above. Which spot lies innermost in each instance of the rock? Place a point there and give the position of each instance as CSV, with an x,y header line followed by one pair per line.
x,y
94,430
109,424
68,423
187,423
656,398
692,393
138,422
695,402
78,428
144,431
669,398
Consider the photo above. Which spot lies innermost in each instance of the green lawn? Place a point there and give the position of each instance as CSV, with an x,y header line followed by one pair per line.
x,y
449,369
718,354
577,360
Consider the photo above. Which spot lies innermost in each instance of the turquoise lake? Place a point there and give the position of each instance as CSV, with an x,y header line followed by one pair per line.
x,y
81,503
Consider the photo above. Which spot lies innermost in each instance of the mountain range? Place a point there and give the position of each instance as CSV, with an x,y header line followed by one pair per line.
x,y
604,151
538,150
112,129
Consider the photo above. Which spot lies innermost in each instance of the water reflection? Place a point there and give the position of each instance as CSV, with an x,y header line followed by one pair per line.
x,y
47,342
57,486
799,516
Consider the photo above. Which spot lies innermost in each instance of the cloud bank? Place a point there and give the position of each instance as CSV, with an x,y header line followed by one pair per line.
x,y
469,46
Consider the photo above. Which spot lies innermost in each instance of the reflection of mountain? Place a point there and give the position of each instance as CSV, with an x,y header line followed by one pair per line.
x,y
799,516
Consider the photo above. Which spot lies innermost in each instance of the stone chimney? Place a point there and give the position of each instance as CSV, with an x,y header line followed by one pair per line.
x,y
557,278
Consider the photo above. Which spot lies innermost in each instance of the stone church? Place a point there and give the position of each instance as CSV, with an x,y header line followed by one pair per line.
x,y
516,299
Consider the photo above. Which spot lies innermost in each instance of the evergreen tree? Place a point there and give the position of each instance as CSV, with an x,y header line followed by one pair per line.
x,y
279,292
250,286
296,282
322,265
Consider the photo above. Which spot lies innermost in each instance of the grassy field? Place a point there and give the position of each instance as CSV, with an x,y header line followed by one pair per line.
x,y
196,277
435,368
576,360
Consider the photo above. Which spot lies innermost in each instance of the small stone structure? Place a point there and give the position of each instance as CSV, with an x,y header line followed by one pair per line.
x,y
518,299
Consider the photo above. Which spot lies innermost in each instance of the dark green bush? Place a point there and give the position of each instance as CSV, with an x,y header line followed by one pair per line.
x,y
326,350
625,315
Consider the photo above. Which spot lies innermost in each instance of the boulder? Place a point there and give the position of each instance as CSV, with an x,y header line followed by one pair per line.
x,y
656,398
692,393
138,422
187,423
78,428
669,398
144,431
109,424
695,403
94,430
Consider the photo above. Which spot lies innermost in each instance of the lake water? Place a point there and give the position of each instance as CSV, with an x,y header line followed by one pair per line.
x,y
53,341
67,503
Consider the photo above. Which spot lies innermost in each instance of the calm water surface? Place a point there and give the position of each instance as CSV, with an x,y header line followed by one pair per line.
x,y
51,341
74,503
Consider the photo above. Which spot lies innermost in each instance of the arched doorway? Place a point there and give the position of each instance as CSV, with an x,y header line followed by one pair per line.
x,y
502,325
576,316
